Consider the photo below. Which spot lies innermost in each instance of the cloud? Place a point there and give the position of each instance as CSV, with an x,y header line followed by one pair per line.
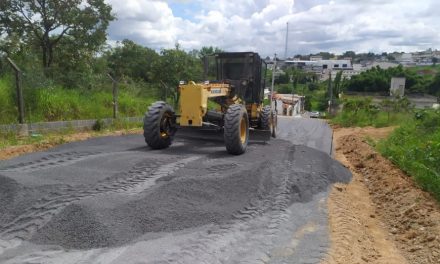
x,y
260,25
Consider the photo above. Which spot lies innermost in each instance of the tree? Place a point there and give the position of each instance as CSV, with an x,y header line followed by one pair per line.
x,y
349,54
308,104
282,78
337,83
47,22
176,65
390,57
313,86
326,55
434,61
204,51
132,60
434,87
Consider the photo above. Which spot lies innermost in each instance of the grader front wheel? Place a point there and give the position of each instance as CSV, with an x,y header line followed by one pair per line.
x,y
159,125
236,129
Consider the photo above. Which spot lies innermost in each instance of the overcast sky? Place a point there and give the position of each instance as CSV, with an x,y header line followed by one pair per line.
x,y
260,25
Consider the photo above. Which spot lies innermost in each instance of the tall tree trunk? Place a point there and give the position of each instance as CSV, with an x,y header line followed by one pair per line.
x,y
50,55
44,49
46,52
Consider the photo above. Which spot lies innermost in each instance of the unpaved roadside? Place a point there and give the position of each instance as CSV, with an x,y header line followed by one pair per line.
x,y
54,140
381,216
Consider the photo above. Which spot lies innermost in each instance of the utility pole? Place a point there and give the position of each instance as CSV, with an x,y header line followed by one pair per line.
x,y
287,40
273,80
115,95
330,102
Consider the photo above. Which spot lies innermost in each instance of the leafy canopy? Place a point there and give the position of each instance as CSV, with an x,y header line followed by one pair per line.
x,y
46,22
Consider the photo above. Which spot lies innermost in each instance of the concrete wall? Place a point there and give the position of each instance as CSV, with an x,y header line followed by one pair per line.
x,y
397,86
45,127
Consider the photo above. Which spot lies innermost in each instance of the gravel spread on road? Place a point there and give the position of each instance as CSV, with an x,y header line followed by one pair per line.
x,y
112,191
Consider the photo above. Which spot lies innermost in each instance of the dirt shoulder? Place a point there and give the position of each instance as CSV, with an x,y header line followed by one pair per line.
x,y
381,216
50,141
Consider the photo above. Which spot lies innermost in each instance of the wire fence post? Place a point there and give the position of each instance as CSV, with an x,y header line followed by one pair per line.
x,y
115,95
19,91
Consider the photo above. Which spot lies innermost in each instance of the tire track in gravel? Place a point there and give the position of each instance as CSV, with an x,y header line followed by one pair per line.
x,y
211,247
136,180
264,225
235,239
51,161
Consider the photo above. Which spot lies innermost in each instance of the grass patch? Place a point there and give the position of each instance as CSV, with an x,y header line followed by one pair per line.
x,y
364,118
56,138
415,148
8,109
60,104
361,112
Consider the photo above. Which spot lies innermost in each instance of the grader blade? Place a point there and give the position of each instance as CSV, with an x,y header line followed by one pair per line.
x,y
207,133
259,135
200,133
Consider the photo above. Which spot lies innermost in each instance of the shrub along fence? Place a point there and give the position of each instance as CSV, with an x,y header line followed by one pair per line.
x,y
27,97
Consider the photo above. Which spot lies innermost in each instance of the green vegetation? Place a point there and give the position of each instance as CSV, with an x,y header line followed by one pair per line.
x,y
415,148
56,103
361,112
8,113
66,63
60,137
54,27
418,80
11,139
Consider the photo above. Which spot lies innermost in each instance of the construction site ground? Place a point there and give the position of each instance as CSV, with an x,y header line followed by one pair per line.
x,y
381,216
113,200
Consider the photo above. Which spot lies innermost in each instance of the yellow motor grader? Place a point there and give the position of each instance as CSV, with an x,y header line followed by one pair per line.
x,y
238,90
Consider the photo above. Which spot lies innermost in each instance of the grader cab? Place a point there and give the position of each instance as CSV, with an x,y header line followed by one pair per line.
x,y
238,93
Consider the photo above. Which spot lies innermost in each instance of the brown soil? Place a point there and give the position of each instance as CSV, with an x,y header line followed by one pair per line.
x,y
381,216
54,140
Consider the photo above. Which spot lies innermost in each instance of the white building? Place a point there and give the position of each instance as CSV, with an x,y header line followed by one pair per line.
x,y
323,68
405,59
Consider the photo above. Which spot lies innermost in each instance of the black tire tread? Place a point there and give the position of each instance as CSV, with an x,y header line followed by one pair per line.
x,y
274,120
152,125
265,118
232,121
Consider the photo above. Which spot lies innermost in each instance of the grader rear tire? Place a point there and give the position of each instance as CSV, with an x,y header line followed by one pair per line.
x,y
274,123
265,118
236,129
159,125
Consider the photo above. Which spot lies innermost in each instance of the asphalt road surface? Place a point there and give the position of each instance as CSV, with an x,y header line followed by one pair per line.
x,y
113,200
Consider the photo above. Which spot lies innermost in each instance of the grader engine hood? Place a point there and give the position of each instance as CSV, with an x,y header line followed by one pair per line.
x,y
194,101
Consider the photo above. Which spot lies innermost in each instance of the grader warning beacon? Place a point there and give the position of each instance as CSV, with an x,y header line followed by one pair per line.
x,y
238,90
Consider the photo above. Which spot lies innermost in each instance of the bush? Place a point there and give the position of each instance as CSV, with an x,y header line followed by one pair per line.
x,y
284,88
361,111
54,103
8,108
99,125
